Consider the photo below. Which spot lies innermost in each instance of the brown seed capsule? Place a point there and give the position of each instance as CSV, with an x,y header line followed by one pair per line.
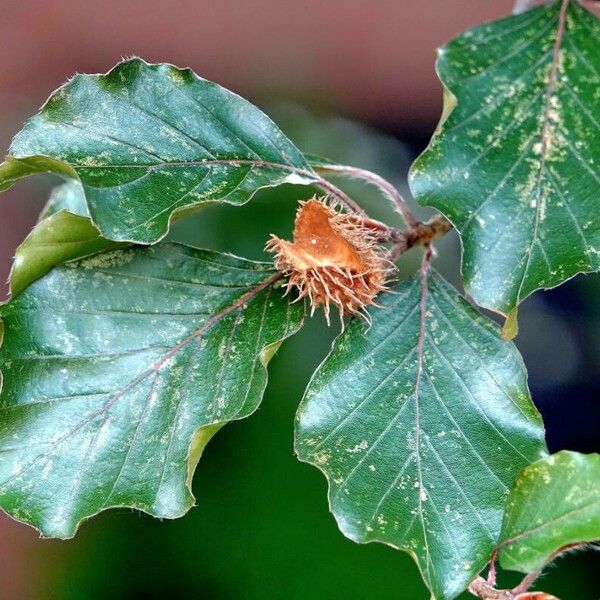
x,y
334,259
535,596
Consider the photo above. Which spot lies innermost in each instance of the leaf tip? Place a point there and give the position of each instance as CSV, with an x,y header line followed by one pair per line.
x,y
510,329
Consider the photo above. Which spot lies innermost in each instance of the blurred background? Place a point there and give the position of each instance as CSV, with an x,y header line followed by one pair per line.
x,y
353,80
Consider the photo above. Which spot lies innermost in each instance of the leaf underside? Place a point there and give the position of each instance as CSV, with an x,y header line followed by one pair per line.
x,y
147,141
67,196
422,460
553,503
516,165
117,371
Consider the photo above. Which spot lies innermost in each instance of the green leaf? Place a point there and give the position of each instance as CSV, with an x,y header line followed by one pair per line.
x,y
11,170
553,503
59,238
147,141
64,232
420,424
117,371
516,164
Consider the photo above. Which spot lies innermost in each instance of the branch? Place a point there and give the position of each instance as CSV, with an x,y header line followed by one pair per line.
x,y
482,589
384,186
486,589
417,234
422,234
340,196
526,583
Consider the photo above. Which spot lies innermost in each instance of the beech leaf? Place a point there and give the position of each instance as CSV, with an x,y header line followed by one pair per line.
x,y
420,424
119,368
149,140
58,238
64,232
554,503
515,162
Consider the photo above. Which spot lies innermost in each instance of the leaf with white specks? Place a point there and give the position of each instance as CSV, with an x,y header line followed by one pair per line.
x,y
147,141
553,504
119,368
421,459
515,162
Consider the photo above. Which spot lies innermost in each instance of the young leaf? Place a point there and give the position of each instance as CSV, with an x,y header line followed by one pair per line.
x,y
149,140
420,423
64,232
58,238
553,503
117,371
515,161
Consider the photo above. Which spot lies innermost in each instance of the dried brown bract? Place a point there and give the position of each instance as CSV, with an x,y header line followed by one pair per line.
x,y
335,259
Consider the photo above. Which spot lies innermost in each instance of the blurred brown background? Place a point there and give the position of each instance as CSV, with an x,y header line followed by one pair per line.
x,y
372,61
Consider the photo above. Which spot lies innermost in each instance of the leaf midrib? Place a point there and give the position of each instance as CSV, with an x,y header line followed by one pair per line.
x,y
551,87
425,267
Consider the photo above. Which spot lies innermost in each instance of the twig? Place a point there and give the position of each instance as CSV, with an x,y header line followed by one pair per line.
x,y
486,590
417,234
491,578
384,233
379,182
423,234
340,196
482,589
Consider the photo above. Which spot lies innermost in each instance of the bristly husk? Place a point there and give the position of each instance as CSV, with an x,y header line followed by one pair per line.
x,y
334,259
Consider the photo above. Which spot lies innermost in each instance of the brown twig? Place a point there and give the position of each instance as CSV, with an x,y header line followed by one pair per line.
x,y
384,186
491,578
340,196
526,583
423,234
486,590
482,589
